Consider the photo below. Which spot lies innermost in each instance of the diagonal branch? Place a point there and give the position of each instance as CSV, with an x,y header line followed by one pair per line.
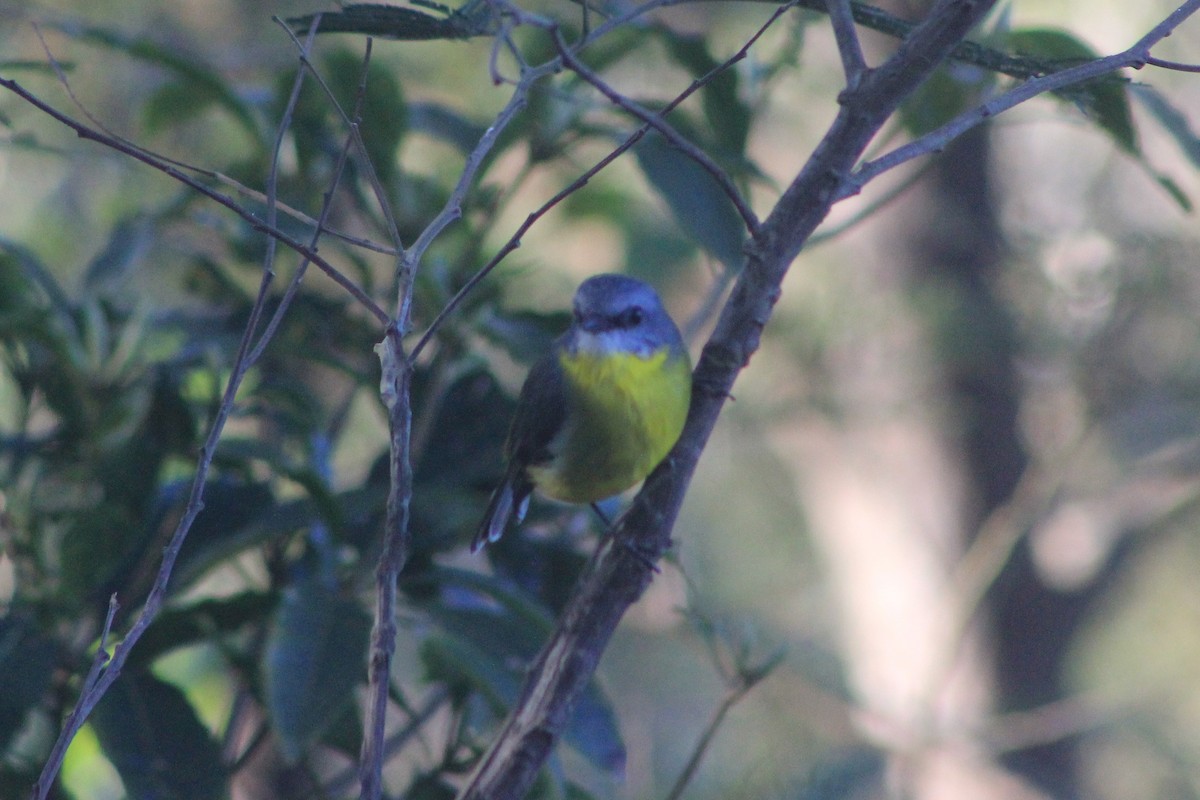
x,y
622,566
98,682
1136,56
164,166
659,124
514,241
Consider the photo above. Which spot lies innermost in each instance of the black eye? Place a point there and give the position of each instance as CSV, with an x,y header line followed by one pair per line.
x,y
632,317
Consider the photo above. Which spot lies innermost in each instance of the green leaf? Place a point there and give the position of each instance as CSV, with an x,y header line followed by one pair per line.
x,y
27,664
153,738
396,22
699,204
949,91
431,786
384,113
98,551
235,517
20,271
315,657
199,622
728,117
1104,99
1171,118
445,124
178,102
481,645
127,243
206,85
458,663
1176,191
525,335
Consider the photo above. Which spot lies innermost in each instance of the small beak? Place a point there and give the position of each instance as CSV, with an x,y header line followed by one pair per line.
x,y
590,323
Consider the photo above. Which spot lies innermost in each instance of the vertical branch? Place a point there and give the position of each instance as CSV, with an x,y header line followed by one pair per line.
x,y
395,389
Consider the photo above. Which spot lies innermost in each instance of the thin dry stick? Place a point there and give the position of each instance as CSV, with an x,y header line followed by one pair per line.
x,y
353,122
1172,65
341,783
98,682
326,206
163,166
1136,56
731,699
514,241
656,121
395,383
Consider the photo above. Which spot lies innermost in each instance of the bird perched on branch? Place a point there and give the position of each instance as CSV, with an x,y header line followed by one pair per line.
x,y
600,410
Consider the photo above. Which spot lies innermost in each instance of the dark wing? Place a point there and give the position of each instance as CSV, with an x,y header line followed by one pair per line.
x,y
541,413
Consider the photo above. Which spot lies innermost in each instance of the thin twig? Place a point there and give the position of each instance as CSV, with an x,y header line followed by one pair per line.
x,y
80,713
621,568
340,784
656,121
826,234
96,687
294,213
514,241
326,206
395,384
163,166
452,209
732,696
1136,57
353,122
1178,66
854,64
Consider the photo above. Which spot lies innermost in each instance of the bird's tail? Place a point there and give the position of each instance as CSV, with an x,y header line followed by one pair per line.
x,y
510,499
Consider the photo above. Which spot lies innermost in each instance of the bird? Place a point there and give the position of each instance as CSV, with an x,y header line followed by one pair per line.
x,y
601,409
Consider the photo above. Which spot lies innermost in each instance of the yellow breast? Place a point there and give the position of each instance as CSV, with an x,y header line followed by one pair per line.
x,y
624,414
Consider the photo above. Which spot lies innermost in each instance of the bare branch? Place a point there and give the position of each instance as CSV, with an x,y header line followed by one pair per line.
x,y
514,241
352,122
104,671
659,124
326,205
1174,65
731,698
622,566
1136,57
162,165
854,64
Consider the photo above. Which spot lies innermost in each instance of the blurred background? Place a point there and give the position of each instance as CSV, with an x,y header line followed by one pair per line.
x,y
943,542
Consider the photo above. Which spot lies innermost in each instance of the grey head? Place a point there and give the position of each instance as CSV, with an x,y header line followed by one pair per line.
x,y
618,312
